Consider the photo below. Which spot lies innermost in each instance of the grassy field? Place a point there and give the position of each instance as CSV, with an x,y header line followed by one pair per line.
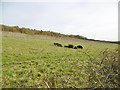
x,y
34,61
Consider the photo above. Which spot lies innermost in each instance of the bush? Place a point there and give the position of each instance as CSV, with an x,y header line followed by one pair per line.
x,y
104,70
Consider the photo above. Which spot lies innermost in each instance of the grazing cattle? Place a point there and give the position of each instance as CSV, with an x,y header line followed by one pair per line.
x,y
79,46
75,47
60,45
66,46
70,46
57,44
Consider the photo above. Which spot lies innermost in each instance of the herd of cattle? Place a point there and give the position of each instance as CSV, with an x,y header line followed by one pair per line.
x,y
69,46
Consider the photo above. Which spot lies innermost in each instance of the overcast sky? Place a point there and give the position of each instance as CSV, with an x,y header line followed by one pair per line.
x,y
95,19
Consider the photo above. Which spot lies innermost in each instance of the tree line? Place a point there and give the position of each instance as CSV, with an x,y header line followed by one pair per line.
x,y
37,32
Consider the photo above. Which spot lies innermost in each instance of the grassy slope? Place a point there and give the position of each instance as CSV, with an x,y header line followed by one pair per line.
x,y
33,61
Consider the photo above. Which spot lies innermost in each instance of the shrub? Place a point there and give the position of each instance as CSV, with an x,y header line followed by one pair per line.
x,y
104,70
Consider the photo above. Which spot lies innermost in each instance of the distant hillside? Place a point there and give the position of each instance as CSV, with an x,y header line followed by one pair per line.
x,y
37,32
49,33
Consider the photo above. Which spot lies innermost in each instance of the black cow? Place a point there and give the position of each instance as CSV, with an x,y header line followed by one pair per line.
x,y
66,46
79,46
70,46
60,45
57,44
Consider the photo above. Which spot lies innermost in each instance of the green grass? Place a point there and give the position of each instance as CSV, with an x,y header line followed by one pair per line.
x,y
33,61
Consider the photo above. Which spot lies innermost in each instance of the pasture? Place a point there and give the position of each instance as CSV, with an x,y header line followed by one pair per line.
x,y
33,61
